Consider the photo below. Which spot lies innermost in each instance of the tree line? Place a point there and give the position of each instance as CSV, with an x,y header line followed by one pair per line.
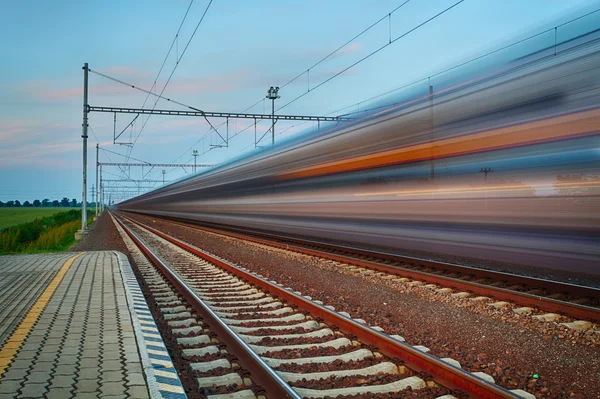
x,y
45,203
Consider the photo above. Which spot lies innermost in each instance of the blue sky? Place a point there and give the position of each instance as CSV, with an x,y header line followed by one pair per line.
x,y
240,49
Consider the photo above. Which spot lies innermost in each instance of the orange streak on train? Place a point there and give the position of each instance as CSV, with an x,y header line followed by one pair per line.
x,y
553,129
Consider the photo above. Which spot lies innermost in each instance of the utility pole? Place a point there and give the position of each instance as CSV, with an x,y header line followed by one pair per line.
x,y
195,154
485,171
97,164
100,188
93,197
163,173
272,95
84,135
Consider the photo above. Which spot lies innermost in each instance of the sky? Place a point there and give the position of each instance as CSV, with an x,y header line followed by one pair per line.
x,y
238,50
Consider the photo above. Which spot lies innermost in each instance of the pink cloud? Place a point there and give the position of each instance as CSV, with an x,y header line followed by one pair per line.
x,y
44,154
350,49
77,92
38,143
219,83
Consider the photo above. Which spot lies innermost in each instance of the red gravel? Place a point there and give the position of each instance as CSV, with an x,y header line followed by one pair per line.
x,y
103,236
482,339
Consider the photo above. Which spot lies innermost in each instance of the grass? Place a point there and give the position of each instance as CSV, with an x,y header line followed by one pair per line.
x,y
13,216
48,234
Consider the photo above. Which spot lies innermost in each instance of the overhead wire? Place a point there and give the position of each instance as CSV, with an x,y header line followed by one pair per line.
x,y
372,53
345,44
173,72
300,75
175,39
391,41
456,66
179,57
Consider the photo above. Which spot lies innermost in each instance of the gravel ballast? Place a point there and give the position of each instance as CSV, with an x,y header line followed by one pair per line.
x,y
511,348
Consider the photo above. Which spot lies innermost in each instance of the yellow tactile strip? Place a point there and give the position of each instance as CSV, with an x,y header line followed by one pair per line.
x,y
14,342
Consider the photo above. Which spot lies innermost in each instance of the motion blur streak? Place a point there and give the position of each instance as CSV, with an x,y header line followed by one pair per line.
x,y
503,167
559,128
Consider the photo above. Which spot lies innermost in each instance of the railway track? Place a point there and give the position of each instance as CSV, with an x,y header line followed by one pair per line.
x,y
578,302
288,344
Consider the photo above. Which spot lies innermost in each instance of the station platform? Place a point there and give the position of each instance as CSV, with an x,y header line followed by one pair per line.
x,y
76,325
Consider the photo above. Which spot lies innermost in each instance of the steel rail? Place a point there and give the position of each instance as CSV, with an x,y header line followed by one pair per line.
x,y
261,372
571,309
443,373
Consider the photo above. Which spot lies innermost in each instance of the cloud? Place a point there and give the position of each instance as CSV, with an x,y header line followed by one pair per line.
x,y
20,131
209,84
42,154
350,49
37,144
69,93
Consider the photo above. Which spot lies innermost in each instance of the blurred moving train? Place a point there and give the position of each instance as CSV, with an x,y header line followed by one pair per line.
x,y
503,167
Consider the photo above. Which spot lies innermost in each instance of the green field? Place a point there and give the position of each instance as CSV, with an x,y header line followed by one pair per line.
x,y
12,216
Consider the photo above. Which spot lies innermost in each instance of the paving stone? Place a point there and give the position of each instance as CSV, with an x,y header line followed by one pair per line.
x,y
90,362
135,379
111,365
33,342
111,376
33,391
88,373
69,350
38,377
27,354
133,367
87,395
72,343
112,389
87,385
47,356
65,370
9,387
58,393
20,364
83,335
140,392
131,357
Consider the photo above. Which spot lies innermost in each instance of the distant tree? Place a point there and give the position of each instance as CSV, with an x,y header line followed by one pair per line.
x,y
55,203
17,203
74,203
1,204
45,202
64,202
27,204
10,204
36,203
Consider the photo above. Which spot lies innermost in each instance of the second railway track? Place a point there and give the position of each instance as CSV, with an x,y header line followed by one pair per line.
x,y
291,345
575,301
